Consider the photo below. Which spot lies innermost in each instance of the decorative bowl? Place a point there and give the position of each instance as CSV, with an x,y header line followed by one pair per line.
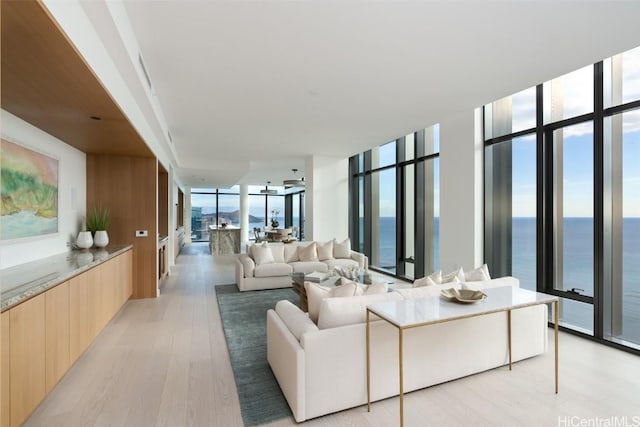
x,y
464,296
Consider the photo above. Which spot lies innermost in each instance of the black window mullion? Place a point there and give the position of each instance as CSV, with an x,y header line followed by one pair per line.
x,y
541,239
598,200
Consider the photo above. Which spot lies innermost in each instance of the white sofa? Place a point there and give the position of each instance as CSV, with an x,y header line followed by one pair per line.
x,y
321,371
251,276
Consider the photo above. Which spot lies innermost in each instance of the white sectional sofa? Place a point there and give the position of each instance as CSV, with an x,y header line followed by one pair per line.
x,y
256,271
321,371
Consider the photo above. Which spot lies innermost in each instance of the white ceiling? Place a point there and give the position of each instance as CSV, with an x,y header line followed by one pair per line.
x,y
249,89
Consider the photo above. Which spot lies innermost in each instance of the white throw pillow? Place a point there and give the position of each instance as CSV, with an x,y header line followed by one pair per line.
x,y
325,251
480,274
262,254
342,250
290,253
374,289
308,253
316,293
424,281
278,252
335,312
436,277
426,291
456,276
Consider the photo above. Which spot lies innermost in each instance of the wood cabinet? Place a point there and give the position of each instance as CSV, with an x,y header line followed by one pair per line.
x,y
43,336
27,358
5,353
56,334
80,334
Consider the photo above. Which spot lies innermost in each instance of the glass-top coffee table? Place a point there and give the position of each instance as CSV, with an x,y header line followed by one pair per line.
x,y
297,283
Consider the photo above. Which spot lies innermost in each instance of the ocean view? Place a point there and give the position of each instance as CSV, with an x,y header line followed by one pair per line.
x,y
578,265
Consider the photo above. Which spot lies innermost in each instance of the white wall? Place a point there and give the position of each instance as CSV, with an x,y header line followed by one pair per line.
x,y
326,198
461,204
72,193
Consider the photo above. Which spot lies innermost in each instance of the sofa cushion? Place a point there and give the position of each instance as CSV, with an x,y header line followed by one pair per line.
x,y
308,253
271,270
374,289
342,262
291,253
493,283
335,312
278,252
295,319
262,254
316,293
455,276
424,281
343,249
325,251
308,266
426,291
480,274
436,277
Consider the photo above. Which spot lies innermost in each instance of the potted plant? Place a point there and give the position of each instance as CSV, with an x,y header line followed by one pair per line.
x,y
274,218
98,224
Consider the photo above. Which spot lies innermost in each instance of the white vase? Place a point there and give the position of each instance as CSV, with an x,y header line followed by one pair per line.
x,y
84,240
101,239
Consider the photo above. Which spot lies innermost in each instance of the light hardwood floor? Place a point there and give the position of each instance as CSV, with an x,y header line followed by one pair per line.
x,y
164,362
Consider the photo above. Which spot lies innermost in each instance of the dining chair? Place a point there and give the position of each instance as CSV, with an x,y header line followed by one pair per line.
x,y
256,235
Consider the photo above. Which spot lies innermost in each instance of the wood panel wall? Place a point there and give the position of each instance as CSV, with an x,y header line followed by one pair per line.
x,y
128,187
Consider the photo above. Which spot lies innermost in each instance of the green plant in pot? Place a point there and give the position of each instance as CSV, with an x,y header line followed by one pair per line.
x,y
98,223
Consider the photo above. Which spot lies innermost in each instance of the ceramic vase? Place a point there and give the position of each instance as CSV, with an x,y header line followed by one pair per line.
x,y
101,239
84,240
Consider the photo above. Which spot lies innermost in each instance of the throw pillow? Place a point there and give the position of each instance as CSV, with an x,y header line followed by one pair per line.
x,y
455,276
480,274
308,253
291,253
278,252
342,250
436,277
262,254
325,251
424,281
316,293
374,289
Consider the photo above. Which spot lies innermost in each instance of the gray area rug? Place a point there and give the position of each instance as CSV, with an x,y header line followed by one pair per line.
x,y
244,319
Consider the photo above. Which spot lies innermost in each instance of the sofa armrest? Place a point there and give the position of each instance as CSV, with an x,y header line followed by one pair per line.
x,y
248,264
244,269
362,259
287,360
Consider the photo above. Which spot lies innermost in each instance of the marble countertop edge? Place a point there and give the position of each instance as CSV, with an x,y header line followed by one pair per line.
x,y
56,269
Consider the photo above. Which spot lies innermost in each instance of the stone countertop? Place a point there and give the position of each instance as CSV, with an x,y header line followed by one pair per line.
x,y
24,281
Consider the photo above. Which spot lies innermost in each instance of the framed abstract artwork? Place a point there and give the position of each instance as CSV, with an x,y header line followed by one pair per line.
x,y
29,192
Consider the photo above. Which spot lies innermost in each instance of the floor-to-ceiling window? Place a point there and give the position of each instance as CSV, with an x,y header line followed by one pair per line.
x,y
394,205
562,194
203,213
222,206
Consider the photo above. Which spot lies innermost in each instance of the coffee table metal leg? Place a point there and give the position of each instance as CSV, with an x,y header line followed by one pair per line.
x,y
368,367
401,379
555,331
509,332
